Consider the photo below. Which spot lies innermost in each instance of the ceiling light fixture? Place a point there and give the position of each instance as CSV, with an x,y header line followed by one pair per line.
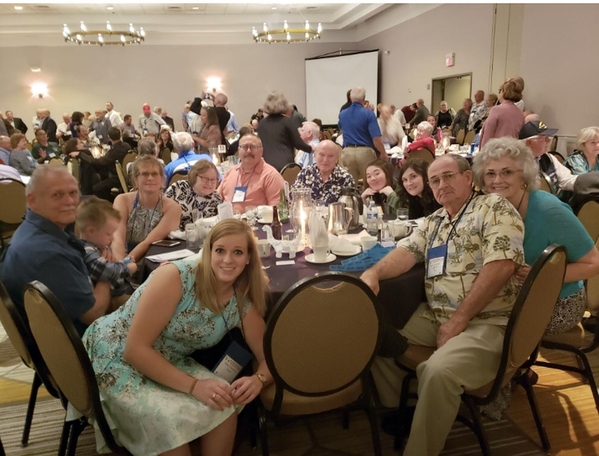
x,y
287,34
18,8
108,37
110,8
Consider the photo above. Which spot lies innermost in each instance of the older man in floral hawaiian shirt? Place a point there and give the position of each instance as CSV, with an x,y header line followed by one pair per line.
x,y
471,248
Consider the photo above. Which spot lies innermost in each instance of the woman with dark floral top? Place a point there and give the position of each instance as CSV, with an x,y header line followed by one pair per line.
x,y
325,177
197,195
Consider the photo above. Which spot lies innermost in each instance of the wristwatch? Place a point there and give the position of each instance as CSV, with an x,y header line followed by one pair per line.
x,y
262,378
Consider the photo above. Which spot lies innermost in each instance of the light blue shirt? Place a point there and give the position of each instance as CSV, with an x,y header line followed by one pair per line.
x,y
185,161
5,155
306,158
232,124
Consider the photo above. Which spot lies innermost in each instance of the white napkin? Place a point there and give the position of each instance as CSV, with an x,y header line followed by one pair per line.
x,y
396,151
355,239
177,235
319,237
207,222
340,245
265,214
170,256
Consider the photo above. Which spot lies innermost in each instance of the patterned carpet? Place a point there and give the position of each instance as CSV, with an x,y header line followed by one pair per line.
x,y
320,435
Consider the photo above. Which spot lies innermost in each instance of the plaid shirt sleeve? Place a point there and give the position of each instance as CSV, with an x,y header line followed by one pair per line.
x,y
101,270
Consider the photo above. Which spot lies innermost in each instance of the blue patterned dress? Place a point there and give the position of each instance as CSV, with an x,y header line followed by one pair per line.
x,y
149,418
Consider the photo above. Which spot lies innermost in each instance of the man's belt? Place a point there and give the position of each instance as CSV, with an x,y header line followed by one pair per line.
x,y
357,145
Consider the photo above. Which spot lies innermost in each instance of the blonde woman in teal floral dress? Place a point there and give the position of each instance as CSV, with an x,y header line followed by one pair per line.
x,y
156,396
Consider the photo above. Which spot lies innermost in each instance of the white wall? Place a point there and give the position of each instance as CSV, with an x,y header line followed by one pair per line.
x,y
85,77
559,64
417,50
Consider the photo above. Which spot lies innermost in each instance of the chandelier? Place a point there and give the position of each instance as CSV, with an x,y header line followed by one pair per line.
x,y
286,34
108,37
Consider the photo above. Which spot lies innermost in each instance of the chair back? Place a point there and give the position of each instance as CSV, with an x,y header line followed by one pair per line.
x,y
531,313
122,178
459,139
56,161
22,340
64,354
129,158
13,203
322,335
166,156
73,166
556,154
589,217
290,172
423,154
178,176
469,137
545,182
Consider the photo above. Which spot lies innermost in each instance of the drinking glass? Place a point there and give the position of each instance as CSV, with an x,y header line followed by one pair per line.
x,y
402,214
192,236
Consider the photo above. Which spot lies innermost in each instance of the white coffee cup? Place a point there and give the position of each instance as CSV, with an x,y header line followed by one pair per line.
x,y
263,248
399,229
320,253
368,242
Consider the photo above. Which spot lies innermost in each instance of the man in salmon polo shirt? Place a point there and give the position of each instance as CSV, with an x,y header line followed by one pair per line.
x,y
253,182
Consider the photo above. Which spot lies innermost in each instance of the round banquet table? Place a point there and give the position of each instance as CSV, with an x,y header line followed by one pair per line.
x,y
398,297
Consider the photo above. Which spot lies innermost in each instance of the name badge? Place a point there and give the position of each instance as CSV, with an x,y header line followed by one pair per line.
x,y
239,194
436,261
51,155
232,363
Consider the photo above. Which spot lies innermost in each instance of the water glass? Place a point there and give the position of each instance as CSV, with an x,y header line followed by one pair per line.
x,y
402,214
192,236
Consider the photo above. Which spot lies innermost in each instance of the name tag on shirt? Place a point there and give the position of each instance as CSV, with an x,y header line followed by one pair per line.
x,y
232,362
239,194
436,261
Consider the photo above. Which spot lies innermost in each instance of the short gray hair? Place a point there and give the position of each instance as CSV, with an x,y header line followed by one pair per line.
x,y
147,146
312,127
587,134
357,94
182,141
463,164
426,126
276,103
41,174
499,148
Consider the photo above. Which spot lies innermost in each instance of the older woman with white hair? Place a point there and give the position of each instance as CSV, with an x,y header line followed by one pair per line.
x,y
279,136
423,140
507,166
325,177
584,159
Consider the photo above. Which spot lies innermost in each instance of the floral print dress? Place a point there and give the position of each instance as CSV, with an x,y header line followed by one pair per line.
x,y
149,418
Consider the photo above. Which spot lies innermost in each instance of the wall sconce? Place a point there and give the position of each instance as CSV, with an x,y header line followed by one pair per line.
x,y
213,84
39,90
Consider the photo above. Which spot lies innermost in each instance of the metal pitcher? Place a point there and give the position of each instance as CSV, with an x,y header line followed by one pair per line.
x,y
351,199
339,218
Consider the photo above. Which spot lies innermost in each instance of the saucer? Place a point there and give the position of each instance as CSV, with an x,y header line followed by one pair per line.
x,y
330,257
264,221
347,253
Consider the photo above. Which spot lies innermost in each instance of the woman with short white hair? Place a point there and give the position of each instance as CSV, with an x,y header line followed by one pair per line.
x,y
584,159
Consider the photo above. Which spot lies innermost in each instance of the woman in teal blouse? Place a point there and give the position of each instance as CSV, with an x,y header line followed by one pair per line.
x,y
584,159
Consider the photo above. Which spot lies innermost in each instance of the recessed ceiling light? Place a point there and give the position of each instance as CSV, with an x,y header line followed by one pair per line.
x,y
195,8
110,8
35,69
18,8
274,8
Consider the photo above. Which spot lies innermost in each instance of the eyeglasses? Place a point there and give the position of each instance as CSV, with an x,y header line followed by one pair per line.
x,y
147,175
448,178
207,180
252,147
504,174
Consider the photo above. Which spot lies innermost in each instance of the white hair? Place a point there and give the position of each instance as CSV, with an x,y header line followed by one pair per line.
x,y
357,94
40,177
182,141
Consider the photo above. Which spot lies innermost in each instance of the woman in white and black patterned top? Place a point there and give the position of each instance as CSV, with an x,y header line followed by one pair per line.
x,y
197,195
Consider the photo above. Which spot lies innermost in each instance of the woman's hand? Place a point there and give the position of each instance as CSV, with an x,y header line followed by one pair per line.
x,y
74,154
368,192
245,389
522,273
214,393
386,190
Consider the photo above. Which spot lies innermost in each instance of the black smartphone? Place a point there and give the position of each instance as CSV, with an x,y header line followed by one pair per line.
x,y
166,243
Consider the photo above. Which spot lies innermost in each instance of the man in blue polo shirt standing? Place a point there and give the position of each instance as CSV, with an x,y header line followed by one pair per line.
x,y
362,139
42,250
183,145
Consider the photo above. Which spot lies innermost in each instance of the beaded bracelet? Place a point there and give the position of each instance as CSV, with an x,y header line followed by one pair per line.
x,y
193,385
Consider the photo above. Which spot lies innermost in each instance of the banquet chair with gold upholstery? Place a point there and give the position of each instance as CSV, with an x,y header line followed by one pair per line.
x,y
13,206
122,177
177,176
63,352
576,341
129,158
529,318
469,137
320,340
545,183
74,167
56,161
290,172
423,154
166,156
21,339
459,137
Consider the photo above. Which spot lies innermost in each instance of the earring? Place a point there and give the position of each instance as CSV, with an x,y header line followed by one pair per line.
x,y
524,186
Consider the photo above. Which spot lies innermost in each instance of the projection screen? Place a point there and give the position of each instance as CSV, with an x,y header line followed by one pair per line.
x,y
328,78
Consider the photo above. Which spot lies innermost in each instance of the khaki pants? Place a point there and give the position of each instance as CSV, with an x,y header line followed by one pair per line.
x,y
467,361
356,160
